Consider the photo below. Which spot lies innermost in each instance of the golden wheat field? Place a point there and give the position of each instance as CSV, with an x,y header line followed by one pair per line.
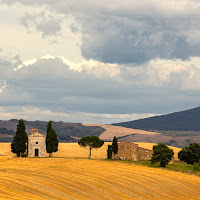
x,y
78,178
62,178
72,150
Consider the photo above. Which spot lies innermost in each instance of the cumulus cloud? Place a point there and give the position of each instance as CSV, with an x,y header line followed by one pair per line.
x,y
128,32
138,57
102,90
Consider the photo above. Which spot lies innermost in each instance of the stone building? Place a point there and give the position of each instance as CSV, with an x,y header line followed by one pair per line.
x,y
36,144
131,151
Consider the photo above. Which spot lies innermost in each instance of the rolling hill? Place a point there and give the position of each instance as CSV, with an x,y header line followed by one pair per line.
x,y
67,132
177,129
188,120
118,131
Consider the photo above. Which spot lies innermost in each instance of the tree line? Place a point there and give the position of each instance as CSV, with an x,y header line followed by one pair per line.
x,y
20,140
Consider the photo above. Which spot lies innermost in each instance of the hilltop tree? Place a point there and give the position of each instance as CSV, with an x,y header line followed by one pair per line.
x,y
51,140
19,144
91,142
190,154
114,146
162,154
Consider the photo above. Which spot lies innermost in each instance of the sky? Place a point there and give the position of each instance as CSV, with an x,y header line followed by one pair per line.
x,y
98,61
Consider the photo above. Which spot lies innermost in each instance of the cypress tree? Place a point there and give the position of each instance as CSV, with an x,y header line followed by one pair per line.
x,y
114,146
19,144
109,152
51,140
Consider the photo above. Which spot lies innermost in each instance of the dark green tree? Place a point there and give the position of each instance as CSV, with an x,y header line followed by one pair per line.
x,y
190,154
51,140
19,144
162,154
114,146
91,142
109,152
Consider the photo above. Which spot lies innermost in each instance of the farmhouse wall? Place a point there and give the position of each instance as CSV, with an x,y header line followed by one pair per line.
x,y
144,154
131,151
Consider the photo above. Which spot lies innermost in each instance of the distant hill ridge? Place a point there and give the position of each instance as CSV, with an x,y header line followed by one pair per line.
x,y
67,131
188,120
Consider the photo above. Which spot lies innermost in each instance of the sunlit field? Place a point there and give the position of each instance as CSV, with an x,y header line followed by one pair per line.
x,y
64,177
72,150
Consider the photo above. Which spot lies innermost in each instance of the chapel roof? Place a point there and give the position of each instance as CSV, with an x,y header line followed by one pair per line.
x,y
35,133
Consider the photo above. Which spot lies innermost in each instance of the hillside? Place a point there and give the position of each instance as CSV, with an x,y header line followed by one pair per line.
x,y
177,129
118,131
188,120
67,132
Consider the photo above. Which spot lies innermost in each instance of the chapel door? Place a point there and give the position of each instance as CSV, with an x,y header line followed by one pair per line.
x,y
36,152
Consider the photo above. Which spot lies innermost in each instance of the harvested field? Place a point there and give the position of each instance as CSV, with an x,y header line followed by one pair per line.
x,y
61,178
119,131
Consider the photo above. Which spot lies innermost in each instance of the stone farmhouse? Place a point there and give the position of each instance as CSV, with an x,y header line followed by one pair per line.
x,y
36,144
131,151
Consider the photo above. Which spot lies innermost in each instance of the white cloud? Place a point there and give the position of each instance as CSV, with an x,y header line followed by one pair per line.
x,y
17,40
94,67
34,113
94,87
26,64
2,86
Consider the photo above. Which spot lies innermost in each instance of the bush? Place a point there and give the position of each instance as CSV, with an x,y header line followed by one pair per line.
x,y
196,166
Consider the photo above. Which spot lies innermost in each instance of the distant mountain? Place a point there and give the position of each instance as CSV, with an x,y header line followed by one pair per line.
x,y
188,120
67,132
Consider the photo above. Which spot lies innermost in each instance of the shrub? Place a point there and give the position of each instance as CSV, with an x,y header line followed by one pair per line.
x,y
196,166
